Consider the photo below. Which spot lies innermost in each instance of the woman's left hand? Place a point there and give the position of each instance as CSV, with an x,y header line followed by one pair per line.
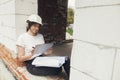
x,y
48,52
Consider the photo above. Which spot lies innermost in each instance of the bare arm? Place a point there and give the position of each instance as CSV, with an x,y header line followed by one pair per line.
x,y
21,54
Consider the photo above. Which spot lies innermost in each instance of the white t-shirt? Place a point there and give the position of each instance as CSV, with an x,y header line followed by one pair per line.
x,y
28,41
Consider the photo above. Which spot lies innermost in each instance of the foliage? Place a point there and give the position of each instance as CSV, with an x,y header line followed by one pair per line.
x,y
70,20
70,16
69,30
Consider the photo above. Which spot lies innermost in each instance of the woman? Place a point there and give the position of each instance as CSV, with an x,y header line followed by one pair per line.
x,y
25,45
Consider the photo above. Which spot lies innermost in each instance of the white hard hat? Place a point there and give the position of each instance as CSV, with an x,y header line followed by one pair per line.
x,y
35,18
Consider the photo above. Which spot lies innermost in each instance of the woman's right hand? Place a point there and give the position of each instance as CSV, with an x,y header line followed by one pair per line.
x,y
31,52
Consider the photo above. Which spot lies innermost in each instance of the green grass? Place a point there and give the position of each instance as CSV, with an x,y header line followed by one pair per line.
x,y
70,31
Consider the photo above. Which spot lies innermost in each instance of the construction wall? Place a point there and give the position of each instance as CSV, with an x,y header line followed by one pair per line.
x,y
13,14
96,47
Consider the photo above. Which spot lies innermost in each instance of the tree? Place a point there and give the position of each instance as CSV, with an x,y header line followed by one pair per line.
x,y
70,16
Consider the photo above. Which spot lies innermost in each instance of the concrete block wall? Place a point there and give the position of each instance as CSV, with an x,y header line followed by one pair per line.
x,y
96,47
7,23
13,14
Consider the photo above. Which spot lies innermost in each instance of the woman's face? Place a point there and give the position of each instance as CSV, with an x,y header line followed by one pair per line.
x,y
34,28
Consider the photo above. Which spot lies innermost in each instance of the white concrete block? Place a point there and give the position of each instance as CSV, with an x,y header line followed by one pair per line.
x,y
20,20
98,25
28,7
83,3
7,20
1,38
116,74
7,7
90,59
76,75
9,43
8,32
21,24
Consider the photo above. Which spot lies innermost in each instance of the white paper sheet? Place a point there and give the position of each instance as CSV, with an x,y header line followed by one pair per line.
x,y
41,48
56,61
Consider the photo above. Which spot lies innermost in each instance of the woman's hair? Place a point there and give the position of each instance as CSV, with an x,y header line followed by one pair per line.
x,y
30,24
